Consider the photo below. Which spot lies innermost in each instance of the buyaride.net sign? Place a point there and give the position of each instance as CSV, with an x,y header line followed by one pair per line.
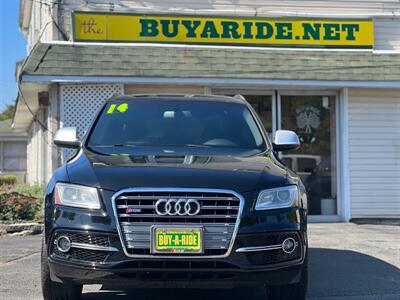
x,y
239,31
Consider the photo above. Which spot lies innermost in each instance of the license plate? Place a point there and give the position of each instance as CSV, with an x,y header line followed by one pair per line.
x,y
177,240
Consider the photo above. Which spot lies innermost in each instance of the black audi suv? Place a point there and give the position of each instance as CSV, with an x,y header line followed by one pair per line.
x,y
175,191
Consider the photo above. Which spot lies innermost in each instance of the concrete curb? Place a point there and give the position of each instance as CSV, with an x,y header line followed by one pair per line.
x,y
393,222
21,229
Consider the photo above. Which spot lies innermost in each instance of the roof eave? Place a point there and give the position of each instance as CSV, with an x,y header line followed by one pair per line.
x,y
208,81
28,106
14,136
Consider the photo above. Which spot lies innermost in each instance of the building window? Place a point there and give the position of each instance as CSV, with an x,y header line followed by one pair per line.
x,y
263,107
313,118
14,156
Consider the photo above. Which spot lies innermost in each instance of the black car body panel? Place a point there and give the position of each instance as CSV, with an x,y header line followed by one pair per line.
x,y
195,169
235,173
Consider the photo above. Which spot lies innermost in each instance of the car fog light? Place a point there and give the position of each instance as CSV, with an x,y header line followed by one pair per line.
x,y
63,244
289,245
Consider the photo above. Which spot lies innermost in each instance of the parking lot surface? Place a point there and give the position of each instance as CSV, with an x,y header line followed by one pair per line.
x,y
347,261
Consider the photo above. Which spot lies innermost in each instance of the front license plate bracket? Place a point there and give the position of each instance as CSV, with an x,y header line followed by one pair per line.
x,y
167,239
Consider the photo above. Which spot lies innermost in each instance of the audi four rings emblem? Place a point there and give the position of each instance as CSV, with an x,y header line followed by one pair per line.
x,y
180,207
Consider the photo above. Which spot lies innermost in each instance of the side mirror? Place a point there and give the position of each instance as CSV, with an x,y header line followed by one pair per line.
x,y
66,137
285,140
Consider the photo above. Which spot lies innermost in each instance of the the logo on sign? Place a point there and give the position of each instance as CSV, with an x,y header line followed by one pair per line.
x,y
91,27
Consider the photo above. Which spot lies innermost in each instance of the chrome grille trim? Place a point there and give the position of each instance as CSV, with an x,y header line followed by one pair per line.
x,y
168,217
93,247
227,228
216,236
156,197
203,207
260,248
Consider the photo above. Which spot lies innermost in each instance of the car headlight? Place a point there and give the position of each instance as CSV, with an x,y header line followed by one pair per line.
x,y
277,198
77,196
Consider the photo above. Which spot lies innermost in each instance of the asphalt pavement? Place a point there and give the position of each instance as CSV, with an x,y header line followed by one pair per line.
x,y
347,261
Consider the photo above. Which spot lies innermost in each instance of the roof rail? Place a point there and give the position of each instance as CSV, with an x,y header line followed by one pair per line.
x,y
172,95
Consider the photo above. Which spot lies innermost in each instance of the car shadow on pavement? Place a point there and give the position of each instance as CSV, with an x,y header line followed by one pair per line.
x,y
333,274
345,274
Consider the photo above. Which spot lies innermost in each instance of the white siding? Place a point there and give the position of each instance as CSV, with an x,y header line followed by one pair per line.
x,y
35,153
387,33
239,7
42,155
374,153
53,153
40,21
30,166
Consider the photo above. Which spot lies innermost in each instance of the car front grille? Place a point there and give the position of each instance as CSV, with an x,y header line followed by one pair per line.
x,y
178,264
82,255
178,270
273,256
88,238
218,216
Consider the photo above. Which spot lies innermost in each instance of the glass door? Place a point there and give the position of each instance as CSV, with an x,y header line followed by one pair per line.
x,y
313,118
263,106
263,102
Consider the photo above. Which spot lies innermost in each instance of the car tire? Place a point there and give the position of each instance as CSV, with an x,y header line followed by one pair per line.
x,y
297,291
53,290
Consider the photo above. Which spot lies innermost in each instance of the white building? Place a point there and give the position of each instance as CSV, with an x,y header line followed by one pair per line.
x,y
12,152
330,70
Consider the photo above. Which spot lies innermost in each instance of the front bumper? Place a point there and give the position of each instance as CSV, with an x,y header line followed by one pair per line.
x,y
116,268
174,277
248,268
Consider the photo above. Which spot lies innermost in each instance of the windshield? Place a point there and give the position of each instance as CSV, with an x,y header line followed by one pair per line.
x,y
176,123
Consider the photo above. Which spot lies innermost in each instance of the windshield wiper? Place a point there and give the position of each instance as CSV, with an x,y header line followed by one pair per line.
x,y
195,146
115,145
133,145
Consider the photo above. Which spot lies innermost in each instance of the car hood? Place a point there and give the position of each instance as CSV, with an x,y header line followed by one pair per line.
x,y
237,173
